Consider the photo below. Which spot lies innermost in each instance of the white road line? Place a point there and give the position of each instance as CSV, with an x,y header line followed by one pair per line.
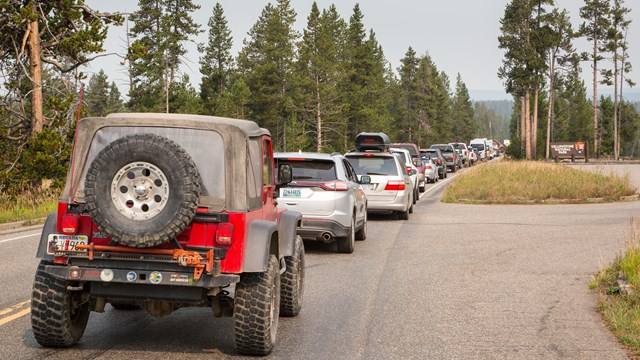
x,y
19,237
440,182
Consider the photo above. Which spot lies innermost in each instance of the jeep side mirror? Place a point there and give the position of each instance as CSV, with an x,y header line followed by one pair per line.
x,y
285,174
365,179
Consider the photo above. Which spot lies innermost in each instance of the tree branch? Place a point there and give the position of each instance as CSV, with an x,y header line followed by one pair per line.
x,y
64,69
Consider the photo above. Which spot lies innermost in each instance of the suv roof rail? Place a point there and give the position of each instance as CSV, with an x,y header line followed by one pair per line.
x,y
336,153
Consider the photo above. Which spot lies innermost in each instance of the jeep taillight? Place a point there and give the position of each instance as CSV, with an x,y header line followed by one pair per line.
x,y
69,223
335,185
224,235
396,185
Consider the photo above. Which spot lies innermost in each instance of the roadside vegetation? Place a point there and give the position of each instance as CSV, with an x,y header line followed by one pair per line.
x,y
523,182
28,207
619,297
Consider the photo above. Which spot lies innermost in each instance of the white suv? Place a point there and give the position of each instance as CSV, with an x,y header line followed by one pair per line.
x,y
412,170
326,190
391,188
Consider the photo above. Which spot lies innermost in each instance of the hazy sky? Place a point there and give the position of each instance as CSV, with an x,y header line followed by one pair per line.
x,y
460,35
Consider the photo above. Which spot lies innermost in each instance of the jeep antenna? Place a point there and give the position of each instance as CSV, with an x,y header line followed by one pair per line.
x,y
75,140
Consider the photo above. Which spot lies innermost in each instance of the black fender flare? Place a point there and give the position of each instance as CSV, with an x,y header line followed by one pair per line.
x,y
258,245
287,230
48,228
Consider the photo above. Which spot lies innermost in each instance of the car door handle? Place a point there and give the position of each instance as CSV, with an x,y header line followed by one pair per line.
x,y
292,203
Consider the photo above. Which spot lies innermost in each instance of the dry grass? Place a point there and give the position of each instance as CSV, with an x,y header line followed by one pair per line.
x,y
28,206
621,311
517,182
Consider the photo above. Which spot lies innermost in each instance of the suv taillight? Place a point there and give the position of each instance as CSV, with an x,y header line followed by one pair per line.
x,y
69,223
224,235
428,167
395,185
335,185
408,169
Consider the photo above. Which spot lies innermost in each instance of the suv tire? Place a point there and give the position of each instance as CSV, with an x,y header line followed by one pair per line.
x,y
148,166
256,310
345,244
292,281
362,233
58,316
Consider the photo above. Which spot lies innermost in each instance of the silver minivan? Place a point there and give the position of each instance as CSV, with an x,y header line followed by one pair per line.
x,y
328,193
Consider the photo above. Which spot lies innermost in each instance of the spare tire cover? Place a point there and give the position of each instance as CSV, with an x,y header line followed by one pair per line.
x,y
142,190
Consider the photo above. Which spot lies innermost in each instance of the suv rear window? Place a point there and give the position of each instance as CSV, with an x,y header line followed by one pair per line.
x,y
402,156
445,148
374,165
311,170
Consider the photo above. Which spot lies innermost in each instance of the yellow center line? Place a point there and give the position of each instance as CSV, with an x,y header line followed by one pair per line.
x,y
14,307
14,316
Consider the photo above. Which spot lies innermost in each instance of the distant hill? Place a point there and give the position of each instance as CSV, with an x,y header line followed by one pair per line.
x,y
504,108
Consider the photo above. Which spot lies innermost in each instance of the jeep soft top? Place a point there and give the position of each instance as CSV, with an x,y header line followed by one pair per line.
x,y
163,211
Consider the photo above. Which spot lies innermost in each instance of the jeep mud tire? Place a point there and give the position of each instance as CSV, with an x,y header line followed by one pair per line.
x,y
292,281
256,310
346,244
142,190
58,316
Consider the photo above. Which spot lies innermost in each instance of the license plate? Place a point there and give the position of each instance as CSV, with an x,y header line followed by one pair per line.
x,y
367,186
291,193
58,243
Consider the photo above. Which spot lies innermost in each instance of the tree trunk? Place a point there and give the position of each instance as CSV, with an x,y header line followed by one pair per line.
x,y
527,124
551,100
522,119
596,149
318,116
616,129
534,127
35,71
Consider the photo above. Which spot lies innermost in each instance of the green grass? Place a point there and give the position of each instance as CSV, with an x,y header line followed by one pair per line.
x,y
27,207
517,182
621,311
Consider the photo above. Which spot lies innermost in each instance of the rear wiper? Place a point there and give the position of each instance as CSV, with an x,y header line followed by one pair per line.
x,y
373,173
303,177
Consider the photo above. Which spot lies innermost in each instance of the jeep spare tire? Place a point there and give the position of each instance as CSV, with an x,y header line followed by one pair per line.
x,y
142,190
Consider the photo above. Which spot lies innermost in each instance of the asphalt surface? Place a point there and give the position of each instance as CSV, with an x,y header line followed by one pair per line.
x,y
452,282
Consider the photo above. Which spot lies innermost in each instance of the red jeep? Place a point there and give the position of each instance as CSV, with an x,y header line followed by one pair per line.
x,y
163,211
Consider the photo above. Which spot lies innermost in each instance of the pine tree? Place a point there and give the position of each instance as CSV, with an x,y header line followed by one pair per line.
x,y
217,64
266,63
317,77
97,95
409,106
114,102
595,14
559,35
462,113
160,30
616,45
62,34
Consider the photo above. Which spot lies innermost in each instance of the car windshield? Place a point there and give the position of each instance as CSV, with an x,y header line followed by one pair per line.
x,y
374,165
410,148
445,148
311,170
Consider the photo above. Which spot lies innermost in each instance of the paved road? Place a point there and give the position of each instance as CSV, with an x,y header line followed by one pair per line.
x,y
452,282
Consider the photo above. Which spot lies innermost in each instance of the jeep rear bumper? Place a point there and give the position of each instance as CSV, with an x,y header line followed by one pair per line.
x,y
132,277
